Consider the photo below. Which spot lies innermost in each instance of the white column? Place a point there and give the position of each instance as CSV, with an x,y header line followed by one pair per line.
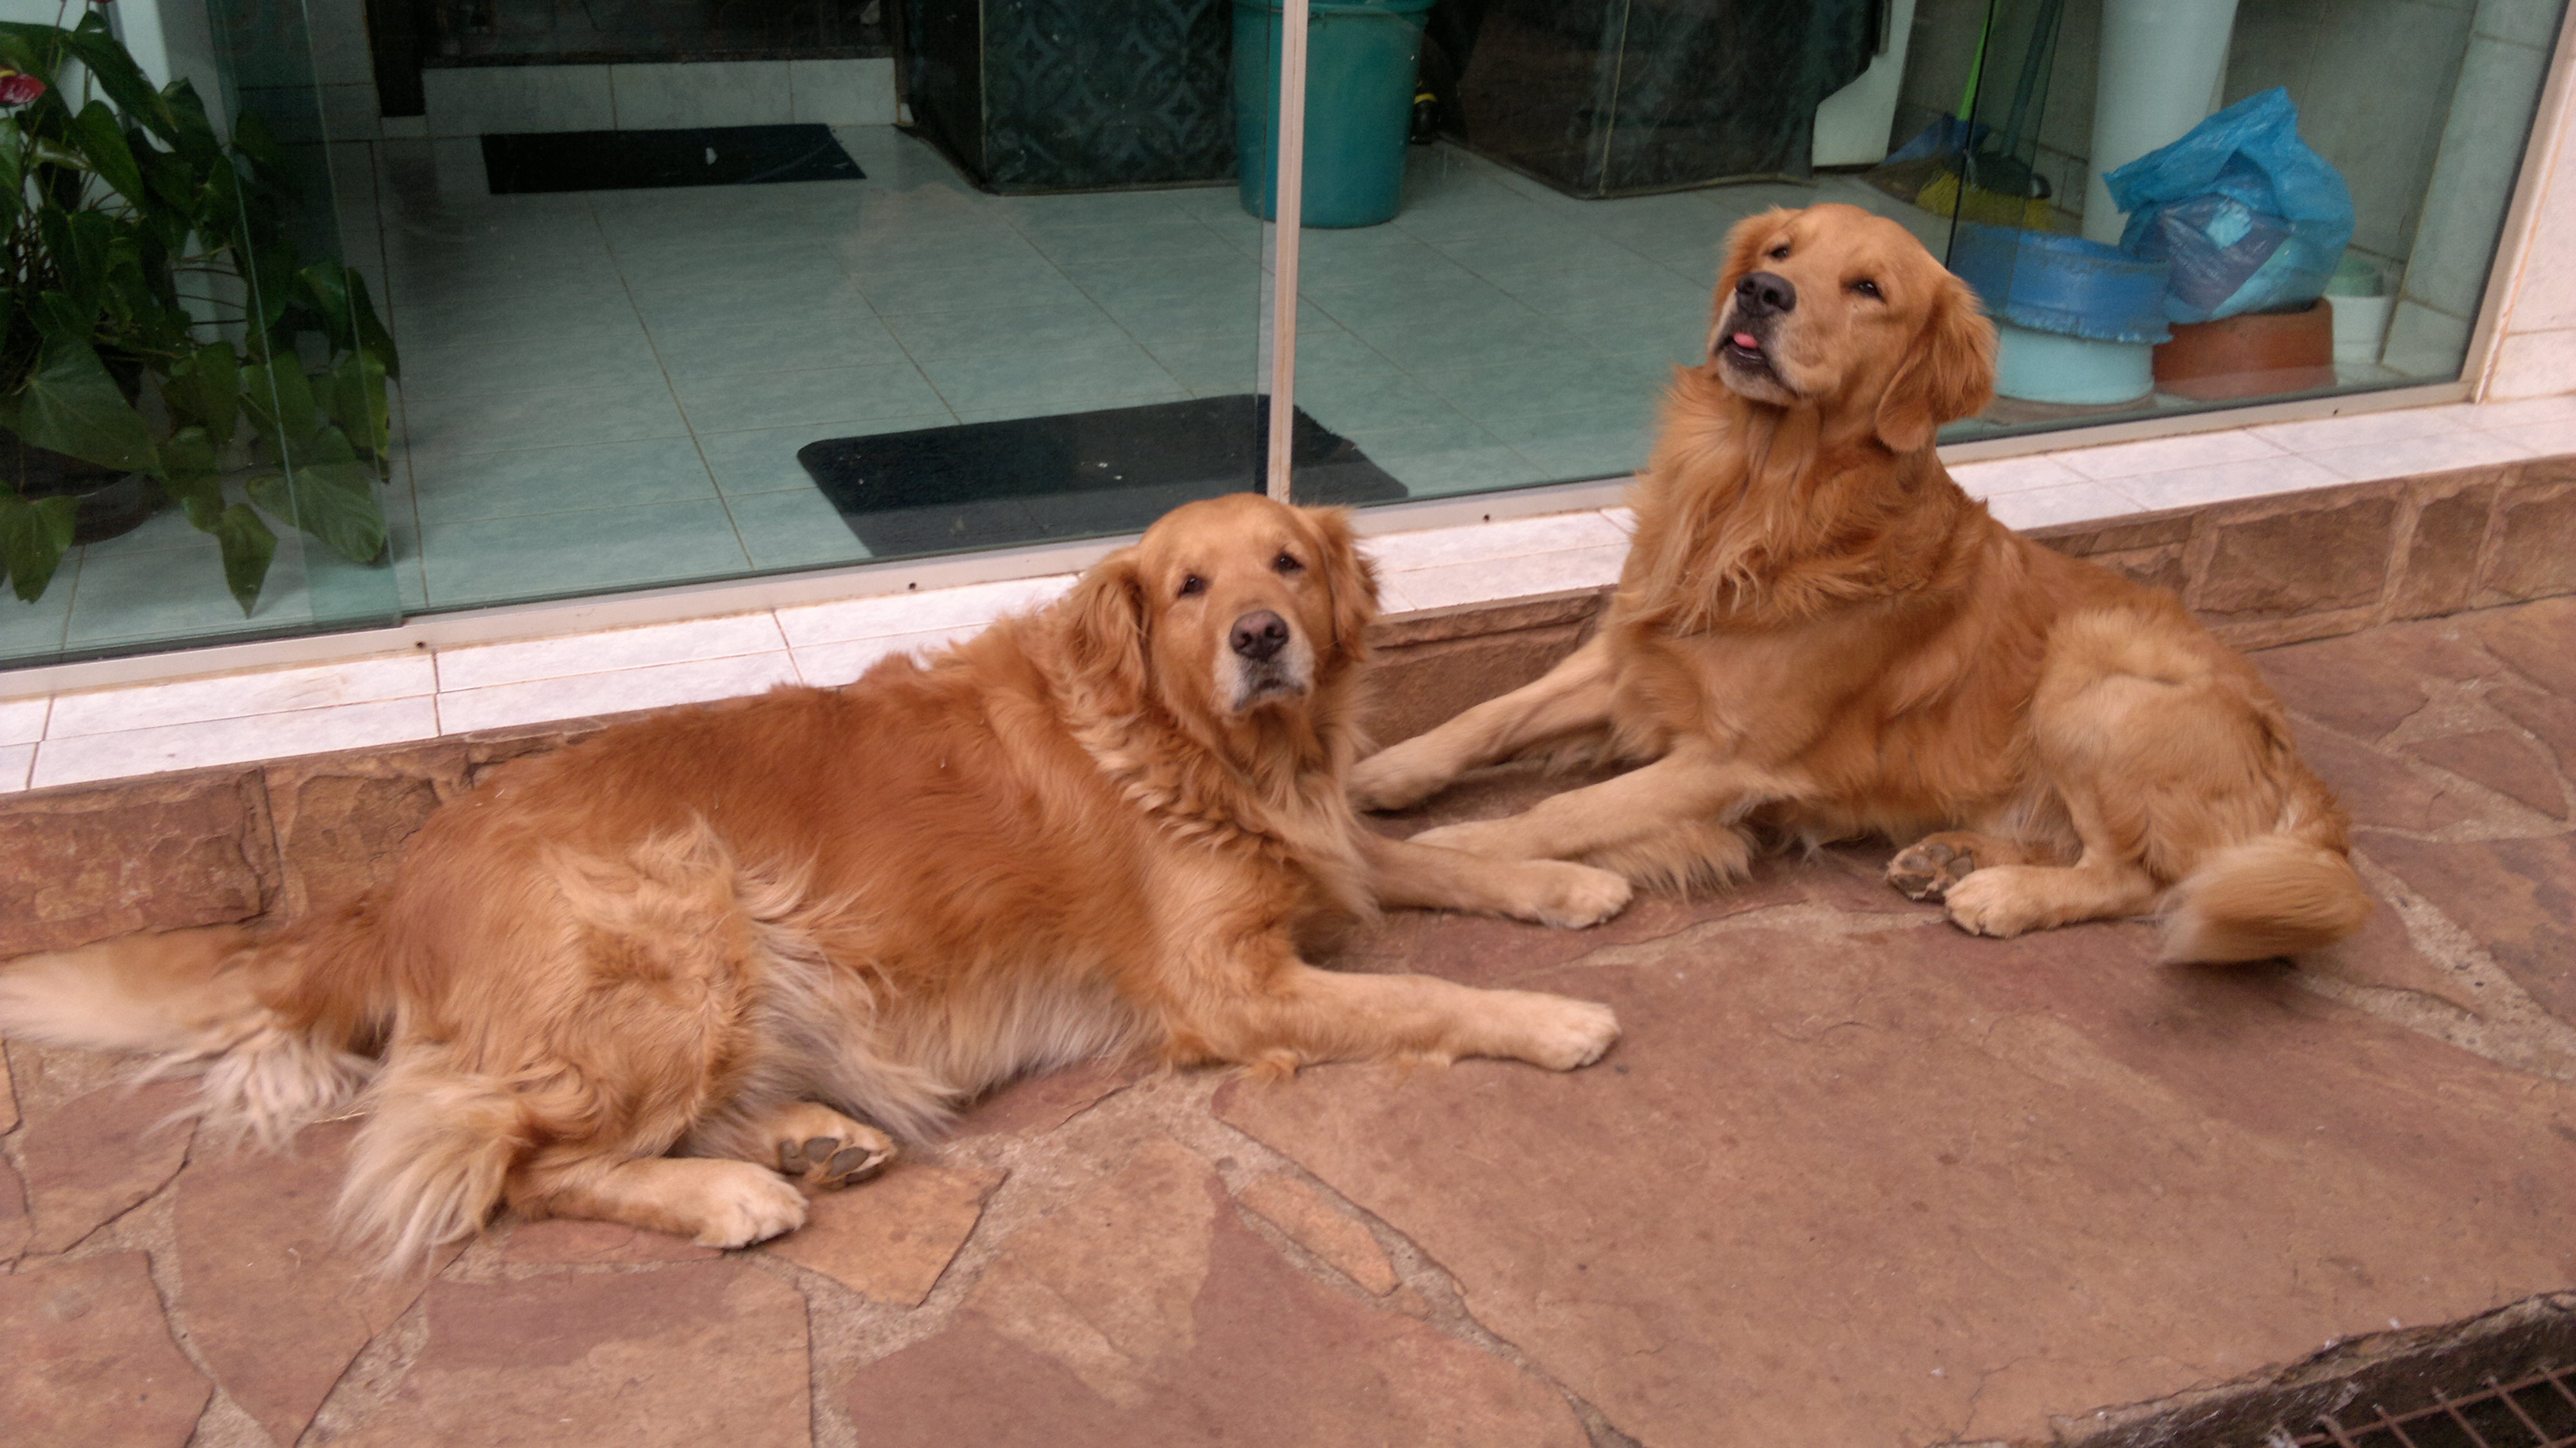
x,y
1289,154
2162,61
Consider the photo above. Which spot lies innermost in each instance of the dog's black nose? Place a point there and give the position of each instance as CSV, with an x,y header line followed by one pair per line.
x,y
1259,635
1762,293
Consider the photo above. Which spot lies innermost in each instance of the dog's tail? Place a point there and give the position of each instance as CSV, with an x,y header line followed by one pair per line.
x,y
2276,894
281,1025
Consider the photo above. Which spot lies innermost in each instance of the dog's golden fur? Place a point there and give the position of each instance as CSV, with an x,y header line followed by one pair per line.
x,y
651,977
1818,635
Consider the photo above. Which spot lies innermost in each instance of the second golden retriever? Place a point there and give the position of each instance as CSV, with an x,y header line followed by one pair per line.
x,y
1818,635
656,976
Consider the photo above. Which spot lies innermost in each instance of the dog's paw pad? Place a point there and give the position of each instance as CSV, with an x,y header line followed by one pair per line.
x,y
1927,870
854,1163
832,1161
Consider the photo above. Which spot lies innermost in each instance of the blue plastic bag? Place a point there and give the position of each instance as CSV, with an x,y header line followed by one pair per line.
x,y
2250,218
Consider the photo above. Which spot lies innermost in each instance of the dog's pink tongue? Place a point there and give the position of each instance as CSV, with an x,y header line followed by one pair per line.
x,y
1745,340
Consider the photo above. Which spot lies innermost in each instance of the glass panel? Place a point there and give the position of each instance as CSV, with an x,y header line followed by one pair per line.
x,y
1549,257
227,379
2369,150
1567,172
800,287
1030,315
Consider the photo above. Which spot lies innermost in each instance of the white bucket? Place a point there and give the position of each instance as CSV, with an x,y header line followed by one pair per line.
x,y
2049,367
2360,326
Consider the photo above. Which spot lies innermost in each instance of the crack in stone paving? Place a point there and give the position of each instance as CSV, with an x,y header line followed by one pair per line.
x,y
847,1332
2519,1032
2492,815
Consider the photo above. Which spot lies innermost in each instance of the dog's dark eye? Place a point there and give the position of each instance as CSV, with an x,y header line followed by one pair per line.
x,y
1865,287
1779,252
1193,584
1287,563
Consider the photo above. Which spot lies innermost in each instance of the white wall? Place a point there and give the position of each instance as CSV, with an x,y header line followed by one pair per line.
x,y
473,100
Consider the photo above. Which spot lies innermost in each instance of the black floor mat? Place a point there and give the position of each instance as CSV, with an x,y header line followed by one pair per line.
x,y
634,160
1030,479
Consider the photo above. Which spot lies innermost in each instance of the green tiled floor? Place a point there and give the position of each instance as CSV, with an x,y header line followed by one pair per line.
x,y
607,390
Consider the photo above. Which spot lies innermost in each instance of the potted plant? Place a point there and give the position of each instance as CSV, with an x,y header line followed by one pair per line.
x,y
157,330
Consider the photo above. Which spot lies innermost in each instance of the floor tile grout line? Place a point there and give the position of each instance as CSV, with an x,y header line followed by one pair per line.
x,y
696,444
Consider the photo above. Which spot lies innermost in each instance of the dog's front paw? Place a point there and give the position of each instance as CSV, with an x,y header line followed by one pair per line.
x,y
1988,902
1573,897
1565,1034
745,1205
1394,778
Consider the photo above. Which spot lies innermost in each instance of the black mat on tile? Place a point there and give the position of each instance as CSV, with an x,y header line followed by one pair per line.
x,y
1030,479
635,160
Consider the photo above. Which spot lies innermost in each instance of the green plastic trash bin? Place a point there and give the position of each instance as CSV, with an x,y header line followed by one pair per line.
x,y
1359,106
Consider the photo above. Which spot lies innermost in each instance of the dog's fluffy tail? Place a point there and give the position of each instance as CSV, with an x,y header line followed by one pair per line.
x,y
281,1026
2273,895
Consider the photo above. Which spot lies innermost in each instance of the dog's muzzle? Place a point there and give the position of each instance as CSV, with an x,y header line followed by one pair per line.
x,y
1266,663
1744,333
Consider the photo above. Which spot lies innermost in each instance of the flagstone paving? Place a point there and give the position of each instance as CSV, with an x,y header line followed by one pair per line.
x,y
1850,1178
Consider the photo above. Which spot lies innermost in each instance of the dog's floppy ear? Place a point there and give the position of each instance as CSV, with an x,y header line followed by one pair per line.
x,y
1948,371
1349,577
1105,628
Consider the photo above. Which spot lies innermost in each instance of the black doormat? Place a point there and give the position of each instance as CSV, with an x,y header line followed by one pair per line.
x,y
1029,479
634,160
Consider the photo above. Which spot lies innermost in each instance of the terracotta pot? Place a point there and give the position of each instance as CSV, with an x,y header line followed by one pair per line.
x,y
2258,354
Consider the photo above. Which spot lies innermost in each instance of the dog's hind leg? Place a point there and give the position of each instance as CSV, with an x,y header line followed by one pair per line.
x,y
801,1138
1926,869
1567,701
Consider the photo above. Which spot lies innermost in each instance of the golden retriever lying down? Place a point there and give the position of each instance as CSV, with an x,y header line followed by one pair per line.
x,y
1818,635
652,977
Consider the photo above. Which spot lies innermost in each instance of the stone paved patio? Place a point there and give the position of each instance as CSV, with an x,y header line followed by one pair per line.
x,y
1851,1178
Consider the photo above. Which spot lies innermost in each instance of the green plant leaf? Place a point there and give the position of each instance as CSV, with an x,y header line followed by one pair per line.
x,y
178,201
271,275
83,244
60,318
25,46
33,537
358,401
280,401
373,339
13,176
188,458
115,72
323,289
334,501
247,548
190,131
204,388
72,406
102,140
251,137
55,152
329,445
